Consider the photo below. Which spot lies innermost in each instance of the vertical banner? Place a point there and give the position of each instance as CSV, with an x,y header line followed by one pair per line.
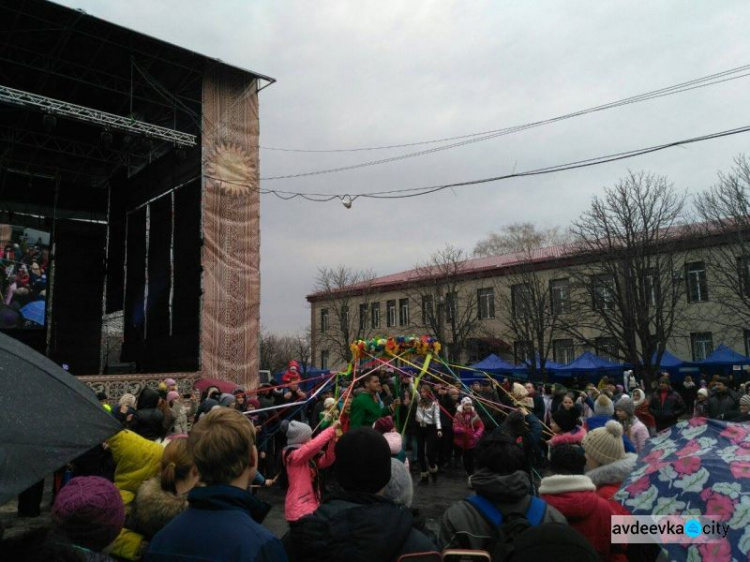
x,y
230,314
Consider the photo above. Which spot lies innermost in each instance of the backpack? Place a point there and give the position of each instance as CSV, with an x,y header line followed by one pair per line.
x,y
507,529
282,480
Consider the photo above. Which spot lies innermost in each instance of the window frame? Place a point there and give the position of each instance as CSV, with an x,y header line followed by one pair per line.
x,y
390,313
485,303
403,312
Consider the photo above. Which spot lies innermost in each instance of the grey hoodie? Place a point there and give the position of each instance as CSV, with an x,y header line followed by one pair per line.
x,y
462,526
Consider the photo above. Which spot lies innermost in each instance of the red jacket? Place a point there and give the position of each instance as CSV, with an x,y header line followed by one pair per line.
x,y
575,497
467,429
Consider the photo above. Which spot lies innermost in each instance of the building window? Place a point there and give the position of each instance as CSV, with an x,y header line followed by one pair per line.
x,y
324,320
702,344
603,292
451,307
403,312
362,316
520,296
486,303
523,351
563,351
428,309
344,319
375,315
324,359
697,285
606,347
743,268
559,290
651,287
390,313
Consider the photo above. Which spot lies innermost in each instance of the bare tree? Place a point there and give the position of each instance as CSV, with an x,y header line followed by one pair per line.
x,y
630,289
343,288
537,307
519,237
447,303
276,351
725,212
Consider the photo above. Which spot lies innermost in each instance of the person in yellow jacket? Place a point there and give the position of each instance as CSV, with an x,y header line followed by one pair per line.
x,y
136,460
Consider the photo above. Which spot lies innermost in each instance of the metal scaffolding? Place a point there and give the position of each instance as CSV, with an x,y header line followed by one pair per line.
x,y
89,115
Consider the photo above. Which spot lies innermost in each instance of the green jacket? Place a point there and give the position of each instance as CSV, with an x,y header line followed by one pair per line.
x,y
366,411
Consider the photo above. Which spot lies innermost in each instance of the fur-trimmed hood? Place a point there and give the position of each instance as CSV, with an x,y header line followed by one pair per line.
x,y
562,483
613,473
153,508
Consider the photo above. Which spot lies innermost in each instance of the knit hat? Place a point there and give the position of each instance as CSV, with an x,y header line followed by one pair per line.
x,y
400,489
703,392
567,458
565,419
604,444
297,432
170,382
466,400
127,400
329,403
363,461
603,406
383,425
723,380
519,391
745,401
172,395
89,510
626,405
226,399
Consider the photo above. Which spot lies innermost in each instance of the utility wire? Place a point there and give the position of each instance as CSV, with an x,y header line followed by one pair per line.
x,y
471,135
425,190
679,88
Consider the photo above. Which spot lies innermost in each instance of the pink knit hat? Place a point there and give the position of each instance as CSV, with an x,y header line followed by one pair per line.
x,y
172,395
90,511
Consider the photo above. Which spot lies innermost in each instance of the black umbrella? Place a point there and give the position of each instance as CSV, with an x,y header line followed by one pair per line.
x,y
47,417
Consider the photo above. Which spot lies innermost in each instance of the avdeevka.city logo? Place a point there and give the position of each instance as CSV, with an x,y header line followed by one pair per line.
x,y
693,528
664,529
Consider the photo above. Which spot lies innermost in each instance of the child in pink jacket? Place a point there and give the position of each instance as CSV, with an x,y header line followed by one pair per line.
x,y
302,461
467,430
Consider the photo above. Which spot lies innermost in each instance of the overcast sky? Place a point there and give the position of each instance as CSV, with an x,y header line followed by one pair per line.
x,y
373,73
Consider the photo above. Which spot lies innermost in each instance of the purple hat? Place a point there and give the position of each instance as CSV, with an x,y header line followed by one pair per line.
x,y
90,511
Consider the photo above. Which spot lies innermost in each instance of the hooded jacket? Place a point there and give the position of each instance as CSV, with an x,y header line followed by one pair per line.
x,y
572,437
608,478
221,524
467,429
575,497
149,420
302,497
352,526
154,507
462,526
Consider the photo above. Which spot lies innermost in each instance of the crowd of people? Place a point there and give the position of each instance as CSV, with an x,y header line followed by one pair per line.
x,y
183,479
23,280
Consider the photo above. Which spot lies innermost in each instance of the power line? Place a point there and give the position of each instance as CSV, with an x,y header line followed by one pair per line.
x,y
426,190
663,92
471,135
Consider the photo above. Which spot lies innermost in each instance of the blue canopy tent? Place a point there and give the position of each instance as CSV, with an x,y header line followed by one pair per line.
x,y
587,363
493,365
723,359
672,364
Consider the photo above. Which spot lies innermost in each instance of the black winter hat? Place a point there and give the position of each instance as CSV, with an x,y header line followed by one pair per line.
x,y
565,419
567,458
363,461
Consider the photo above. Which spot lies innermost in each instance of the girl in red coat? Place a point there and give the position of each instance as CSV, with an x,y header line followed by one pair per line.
x,y
467,430
574,495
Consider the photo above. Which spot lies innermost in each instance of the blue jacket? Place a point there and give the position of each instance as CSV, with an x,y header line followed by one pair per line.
x,y
221,524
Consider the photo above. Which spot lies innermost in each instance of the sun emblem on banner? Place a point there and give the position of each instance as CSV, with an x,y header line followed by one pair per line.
x,y
230,168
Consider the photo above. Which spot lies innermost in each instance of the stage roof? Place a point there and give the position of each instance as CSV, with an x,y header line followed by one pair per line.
x,y
64,54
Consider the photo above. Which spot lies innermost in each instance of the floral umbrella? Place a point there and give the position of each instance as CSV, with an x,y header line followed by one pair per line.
x,y
698,467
